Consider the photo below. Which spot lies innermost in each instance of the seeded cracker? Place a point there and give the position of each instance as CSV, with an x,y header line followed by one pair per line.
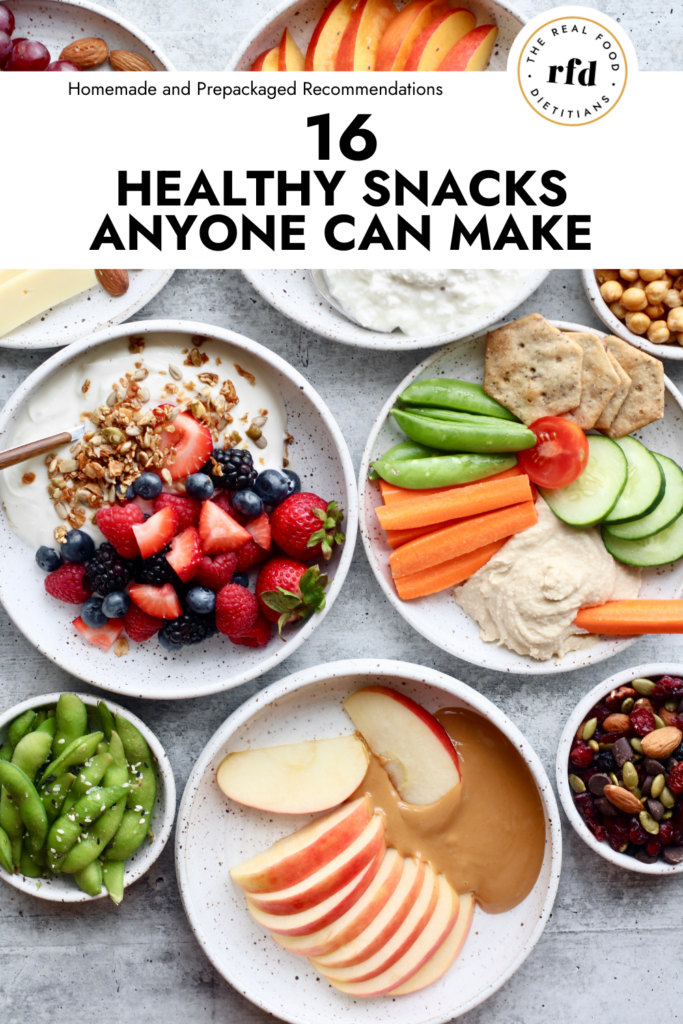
x,y
644,402
599,381
617,400
533,369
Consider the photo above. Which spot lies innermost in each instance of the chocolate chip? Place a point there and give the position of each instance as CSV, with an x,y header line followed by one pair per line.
x,y
671,763
656,809
603,805
645,857
598,782
673,854
623,751
653,767
647,785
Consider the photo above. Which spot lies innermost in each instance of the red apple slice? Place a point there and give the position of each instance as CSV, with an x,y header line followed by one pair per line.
x,y
404,31
299,855
290,57
329,879
296,778
416,751
266,61
360,42
440,923
385,925
438,38
472,52
355,920
323,914
446,954
327,35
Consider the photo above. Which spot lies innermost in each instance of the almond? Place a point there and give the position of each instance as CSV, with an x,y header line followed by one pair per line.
x,y
124,60
616,723
622,799
87,53
643,702
115,282
661,742
668,717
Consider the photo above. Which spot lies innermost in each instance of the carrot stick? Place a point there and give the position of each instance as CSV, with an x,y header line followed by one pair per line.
x,y
464,536
484,496
397,537
439,577
391,493
631,618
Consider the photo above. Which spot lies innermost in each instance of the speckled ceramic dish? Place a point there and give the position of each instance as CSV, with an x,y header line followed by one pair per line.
x,y
91,311
213,834
564,789
318,454
438,617
618,327
293,293
301,19
64,889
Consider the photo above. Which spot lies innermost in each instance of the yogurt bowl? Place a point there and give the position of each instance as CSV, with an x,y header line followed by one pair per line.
x,y
81,378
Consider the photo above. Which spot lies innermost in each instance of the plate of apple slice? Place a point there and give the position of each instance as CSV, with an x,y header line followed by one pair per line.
x,y
296,856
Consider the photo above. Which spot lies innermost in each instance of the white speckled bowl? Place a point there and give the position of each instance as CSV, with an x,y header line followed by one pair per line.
x,y
293,293
618,327
438,617
301,18
622,860
63,889
213,834
319,455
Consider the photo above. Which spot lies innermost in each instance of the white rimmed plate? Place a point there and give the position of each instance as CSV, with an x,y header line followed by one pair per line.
x,y
64,889
319,455
618,327
213,834
438,617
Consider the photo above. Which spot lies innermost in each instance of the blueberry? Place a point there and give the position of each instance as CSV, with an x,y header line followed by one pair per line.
x,y
92,613
272,485
166,642
294,482
241,579
199,486
147,486
47,558
116,604
79,546
248,503
201,600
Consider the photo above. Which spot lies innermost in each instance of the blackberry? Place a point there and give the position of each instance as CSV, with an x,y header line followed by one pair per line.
x,y
108,571
156,570
189,629
237,469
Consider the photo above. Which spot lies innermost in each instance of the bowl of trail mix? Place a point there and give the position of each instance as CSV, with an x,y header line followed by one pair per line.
x,y
620,769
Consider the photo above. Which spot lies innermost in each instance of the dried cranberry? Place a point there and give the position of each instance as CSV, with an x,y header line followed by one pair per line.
x,y
643,721
585,805
619,834
668,686
597,830
678,835
666,833
581,755
653,848
675,779
600,711
637,833
674,720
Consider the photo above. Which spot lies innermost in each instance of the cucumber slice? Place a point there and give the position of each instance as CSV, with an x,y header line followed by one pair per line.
x,y
660,549
645,483
668,510
595,493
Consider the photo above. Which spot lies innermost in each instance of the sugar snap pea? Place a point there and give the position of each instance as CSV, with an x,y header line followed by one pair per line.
x,y
455,394
443,471
53,795
489,436
25,797
19,727
6,852
455,416
89,878
107,824
78,751
402,452
72,720
112,876
91,774
65,831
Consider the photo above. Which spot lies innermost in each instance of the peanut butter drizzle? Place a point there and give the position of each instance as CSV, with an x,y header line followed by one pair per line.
x,y
487,835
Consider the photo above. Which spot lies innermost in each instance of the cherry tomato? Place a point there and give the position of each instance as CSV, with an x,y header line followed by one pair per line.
x,y
560,455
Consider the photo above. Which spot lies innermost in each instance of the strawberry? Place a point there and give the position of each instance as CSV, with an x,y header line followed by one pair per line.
x,y
185,554
139,625
218,531
236,610
289,591
307,527
215,573
186,509
260,530
258,635
192,443
102,636
116,523
68,583
154,534
249,555
161,602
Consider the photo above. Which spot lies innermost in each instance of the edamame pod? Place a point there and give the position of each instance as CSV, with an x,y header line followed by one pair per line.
x,y
465,437
29,754
444,471
5,752
112,876
72,720
48,725
106,826
89,879
140,765
55,793
39,719
25,798
19,727
130,835
6,852
455,394
66,830
76,753
90,775
107,719
28,866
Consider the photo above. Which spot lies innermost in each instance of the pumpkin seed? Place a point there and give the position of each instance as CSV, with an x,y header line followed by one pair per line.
x,y
627,705
590,726
649,823
255,432
605,746
659,723
667,815
615,780
643,686
198,410
593,744
658,784
667,798
637,745
112,434
671,705
577,784
630,775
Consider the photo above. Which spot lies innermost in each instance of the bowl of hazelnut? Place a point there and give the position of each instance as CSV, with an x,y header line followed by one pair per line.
x,y
644,307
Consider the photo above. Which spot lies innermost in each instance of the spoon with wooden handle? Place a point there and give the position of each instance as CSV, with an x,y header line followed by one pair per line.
x,y
41,447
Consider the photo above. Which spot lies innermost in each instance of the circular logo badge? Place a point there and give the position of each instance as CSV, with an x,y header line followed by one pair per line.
x,y
572,71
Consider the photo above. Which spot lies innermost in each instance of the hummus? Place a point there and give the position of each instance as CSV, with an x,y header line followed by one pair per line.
x,y
527,596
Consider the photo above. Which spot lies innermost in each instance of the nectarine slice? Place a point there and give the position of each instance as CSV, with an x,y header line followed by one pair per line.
x,y
404,31
445,955
266,61
327,35
289,56
438,38
472,52
360,42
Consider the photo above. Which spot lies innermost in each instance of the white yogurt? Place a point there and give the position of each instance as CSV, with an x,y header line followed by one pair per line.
x,y
422,302
57,405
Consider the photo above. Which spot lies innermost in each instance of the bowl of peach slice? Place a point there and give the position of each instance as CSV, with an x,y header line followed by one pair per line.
x,y
368,838
381,35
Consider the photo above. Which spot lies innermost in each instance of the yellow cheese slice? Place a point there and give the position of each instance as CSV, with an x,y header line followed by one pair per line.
x,y
7,275
33,291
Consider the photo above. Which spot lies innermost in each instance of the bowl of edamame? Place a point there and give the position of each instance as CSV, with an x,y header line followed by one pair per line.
x,y
87,801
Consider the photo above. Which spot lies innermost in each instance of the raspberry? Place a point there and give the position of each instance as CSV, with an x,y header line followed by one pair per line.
x,y
186,509
236,610
675,779
249,555
68,583
215,573
581,755
637,833
117,522
139,625
642,721
258,635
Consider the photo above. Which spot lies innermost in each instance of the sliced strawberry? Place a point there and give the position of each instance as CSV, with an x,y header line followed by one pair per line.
x,y
139,625
215,573
117,522
250,555
155,533
185,554
260,530
192,443
68,583
219,532
161,602
103,636
236,610
187,509
258,635
223,501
